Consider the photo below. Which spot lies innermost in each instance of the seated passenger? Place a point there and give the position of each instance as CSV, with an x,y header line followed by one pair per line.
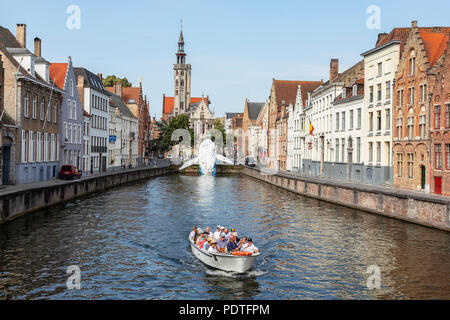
x,y
242,244
208,243
199,238
216,234
213,247
222,243
193,232
250,247
227,234
208,230
204,239
232,244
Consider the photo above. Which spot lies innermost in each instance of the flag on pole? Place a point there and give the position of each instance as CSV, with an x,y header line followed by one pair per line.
x,y
311,128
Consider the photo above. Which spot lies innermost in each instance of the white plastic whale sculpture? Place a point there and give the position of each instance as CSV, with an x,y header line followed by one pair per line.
x,y
206,159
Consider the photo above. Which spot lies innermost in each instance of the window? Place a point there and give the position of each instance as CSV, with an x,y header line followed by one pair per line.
x,y
423,92
411,96
410,164
355,90
337,121
437,116
71,87
34,109
410,128
359,118
42,111
437,157
74,110
399,164
337,150
69,111
25,105
370,121
343,149
412,65
380,69
358,149
422,126
370,152
351,120
378,152
48,112
55,112
30,146
371,94
400,128
343,120
388,90
447,156
388,119
379,120
70,133
379,92
344,93
447,115
399,97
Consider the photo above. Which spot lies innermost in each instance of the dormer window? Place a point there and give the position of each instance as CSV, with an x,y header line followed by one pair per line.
x,y
344,93
355,90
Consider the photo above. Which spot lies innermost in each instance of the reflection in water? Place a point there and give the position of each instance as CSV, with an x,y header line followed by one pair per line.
x,y
130,243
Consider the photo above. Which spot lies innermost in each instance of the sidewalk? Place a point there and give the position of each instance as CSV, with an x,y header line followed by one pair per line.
x,y
55,182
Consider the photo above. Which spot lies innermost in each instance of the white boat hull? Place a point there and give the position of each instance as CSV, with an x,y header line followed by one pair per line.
x,y
226,262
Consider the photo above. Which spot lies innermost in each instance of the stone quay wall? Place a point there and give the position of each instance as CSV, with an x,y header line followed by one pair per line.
x,y
425,209
220,170
31,198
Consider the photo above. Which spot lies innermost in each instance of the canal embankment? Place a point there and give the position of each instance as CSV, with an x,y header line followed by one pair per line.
x,y
20,200
424,209
221,169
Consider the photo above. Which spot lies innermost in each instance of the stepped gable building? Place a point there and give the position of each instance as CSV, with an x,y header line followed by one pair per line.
x,y
282,93
439,82
139,105
30,121
414,101
71,116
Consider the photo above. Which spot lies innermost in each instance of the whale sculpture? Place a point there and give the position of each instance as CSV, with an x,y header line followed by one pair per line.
x,y
207,158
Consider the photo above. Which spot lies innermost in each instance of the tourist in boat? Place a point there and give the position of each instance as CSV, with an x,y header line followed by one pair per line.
x,y
242,243
227,234
208,243
200,238
208,230
222,243
193,232
197,235
232,244
213,247
202,242
216,234
250,247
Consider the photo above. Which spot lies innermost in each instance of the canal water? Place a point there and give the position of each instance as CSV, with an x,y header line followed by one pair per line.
x,y
130,242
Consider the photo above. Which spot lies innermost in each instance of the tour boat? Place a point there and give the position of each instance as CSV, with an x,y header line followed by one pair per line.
x,y
227,262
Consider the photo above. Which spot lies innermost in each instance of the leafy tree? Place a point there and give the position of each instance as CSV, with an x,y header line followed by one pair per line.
x,y
219,126
110,80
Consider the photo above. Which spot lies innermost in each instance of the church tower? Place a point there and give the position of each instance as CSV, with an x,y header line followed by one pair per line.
x,y
182,77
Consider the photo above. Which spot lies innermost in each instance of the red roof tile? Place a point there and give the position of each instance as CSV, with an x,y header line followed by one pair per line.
x,y
168,103
435,45
58,72
286,90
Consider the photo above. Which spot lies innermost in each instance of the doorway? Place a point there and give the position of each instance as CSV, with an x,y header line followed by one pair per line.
x,y
438,185
422,177
6,164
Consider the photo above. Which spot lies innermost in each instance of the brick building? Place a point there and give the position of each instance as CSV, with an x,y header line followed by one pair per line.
x,y
439,84
32,108
412,113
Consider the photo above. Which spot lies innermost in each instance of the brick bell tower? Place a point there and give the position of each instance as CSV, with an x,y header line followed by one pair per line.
x,y
182,77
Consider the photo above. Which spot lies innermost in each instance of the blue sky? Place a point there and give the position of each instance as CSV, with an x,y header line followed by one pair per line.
x,y
235,47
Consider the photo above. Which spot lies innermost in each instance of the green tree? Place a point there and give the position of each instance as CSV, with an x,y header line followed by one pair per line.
x,y
179,122
219,126
110,80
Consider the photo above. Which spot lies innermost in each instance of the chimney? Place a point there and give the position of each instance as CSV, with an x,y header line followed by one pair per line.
x,y
100,76
381,38
37,47
334,68
118,88
21,34
80,81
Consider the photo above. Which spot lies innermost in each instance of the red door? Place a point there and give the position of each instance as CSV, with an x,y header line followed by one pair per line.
x,y
438,185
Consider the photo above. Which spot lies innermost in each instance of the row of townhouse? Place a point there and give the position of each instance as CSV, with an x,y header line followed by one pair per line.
x,y
383,121
55,114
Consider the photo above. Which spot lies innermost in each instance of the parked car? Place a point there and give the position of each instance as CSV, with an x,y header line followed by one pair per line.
x,y
69,172
250,162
